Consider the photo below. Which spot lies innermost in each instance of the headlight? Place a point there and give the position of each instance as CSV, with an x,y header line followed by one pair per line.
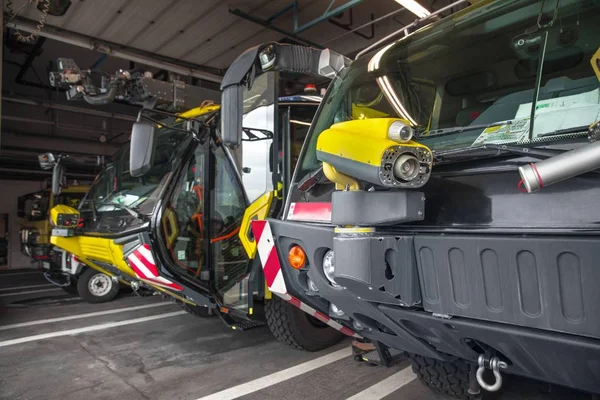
x,y
400,132
329,267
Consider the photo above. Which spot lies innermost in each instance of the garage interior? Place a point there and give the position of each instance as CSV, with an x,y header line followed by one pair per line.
x,y
55,345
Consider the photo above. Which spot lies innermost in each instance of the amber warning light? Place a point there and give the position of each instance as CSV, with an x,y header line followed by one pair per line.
x,y
297,257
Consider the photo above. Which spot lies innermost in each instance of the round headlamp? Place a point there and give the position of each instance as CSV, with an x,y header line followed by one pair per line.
x,y
329,267
400,132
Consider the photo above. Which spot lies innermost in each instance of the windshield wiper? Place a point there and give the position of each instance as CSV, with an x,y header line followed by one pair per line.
x,y
456,129
130,210
494,150
576,129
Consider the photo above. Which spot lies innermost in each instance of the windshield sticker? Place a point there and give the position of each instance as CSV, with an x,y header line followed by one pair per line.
x,y
180,255
563,112
515,131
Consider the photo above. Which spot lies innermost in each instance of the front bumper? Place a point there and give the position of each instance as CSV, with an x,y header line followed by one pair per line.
x,y
391,310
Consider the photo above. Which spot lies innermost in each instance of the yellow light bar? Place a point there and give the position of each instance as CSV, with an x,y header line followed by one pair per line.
x,y
414,7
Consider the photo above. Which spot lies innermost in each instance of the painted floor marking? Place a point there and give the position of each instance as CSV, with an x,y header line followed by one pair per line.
x,y
88,329
78,316
30,292
277,377
25,287
387,386
22,273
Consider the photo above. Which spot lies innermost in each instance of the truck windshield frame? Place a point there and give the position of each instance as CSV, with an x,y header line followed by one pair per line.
x,y
115,185
477,68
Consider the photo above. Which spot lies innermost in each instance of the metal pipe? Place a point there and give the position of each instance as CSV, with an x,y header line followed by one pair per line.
x,y
27,120
564,166
272,27
20,134
406,28
365,25
74,109
115,50
63,126
325,16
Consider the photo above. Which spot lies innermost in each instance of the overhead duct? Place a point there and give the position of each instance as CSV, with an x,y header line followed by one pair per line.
x,y
114,50
74,109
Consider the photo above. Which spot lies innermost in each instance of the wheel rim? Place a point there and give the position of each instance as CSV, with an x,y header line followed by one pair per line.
x,y
100,285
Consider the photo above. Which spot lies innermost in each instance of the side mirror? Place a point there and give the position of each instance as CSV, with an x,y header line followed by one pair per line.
x,y
46,160
141,152
231,115
57,178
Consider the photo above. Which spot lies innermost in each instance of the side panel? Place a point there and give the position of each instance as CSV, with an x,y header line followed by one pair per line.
x,y
538,282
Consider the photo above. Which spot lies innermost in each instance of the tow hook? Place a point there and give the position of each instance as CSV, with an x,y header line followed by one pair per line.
x,y
494,364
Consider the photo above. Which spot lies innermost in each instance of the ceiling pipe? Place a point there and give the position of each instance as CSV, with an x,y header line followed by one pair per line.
x,y
74,109
112,49
70,127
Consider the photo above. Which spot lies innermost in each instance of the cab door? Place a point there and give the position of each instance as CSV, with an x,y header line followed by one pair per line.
x,y
201,221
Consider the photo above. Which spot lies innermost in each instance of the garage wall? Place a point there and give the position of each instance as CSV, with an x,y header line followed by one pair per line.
x,y
8,204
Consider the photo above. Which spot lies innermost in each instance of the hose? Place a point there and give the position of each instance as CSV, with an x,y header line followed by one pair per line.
x,y
100,99
41,22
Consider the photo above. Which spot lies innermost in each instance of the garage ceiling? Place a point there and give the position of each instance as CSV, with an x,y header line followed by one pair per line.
x,y
203,35
206,33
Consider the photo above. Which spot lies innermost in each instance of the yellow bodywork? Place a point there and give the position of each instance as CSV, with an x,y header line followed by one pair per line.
x,y
595,61
258,210
93,248
61,209
341,180
88,249
43,227
363,140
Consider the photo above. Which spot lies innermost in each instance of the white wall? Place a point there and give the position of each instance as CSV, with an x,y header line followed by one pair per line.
x,y
11,190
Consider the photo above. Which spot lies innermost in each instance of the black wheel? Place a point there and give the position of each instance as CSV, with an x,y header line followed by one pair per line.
x,y
450,378
198,311
296,328
95,287
71,288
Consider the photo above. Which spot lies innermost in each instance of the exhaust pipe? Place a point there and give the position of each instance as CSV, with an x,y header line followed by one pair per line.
x,y
564,166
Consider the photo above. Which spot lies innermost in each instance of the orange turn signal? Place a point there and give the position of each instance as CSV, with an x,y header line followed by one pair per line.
x,y
297,257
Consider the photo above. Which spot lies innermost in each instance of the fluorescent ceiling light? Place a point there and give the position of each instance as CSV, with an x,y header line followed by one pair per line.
x,y
414,7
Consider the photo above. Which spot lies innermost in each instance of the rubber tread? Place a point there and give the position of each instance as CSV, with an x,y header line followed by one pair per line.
x,y
450,378
294,327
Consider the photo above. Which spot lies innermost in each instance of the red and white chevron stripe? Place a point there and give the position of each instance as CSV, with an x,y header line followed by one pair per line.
x,y
142,263
274,276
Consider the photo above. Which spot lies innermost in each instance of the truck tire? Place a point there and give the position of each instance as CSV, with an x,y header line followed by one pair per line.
x,y
450,378
198,311
95,287
296,328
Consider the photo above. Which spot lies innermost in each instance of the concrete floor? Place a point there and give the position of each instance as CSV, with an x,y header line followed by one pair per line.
x,y
146,348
